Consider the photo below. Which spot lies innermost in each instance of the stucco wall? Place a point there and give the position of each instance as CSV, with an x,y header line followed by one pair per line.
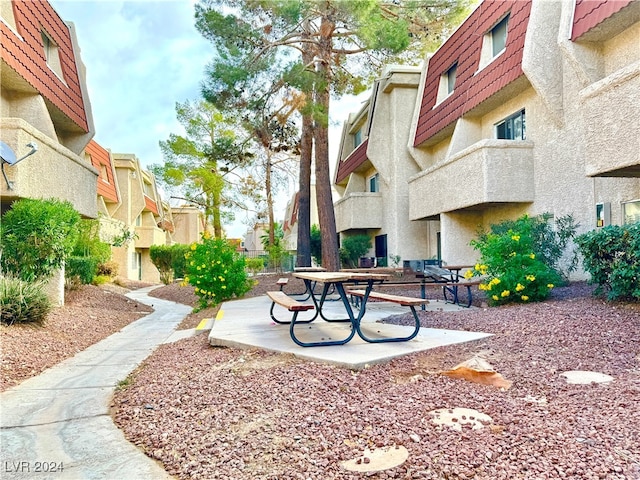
x,y
52,172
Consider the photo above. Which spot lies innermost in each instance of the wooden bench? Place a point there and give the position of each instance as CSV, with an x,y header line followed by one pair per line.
x,y
282,282
404,301
449,289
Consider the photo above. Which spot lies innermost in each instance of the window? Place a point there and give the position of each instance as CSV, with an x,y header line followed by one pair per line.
x,y
631,212
451,77
603,214
373,183
447,83
104,175
139,220
499,36
51,54
512,128
357,138
494,42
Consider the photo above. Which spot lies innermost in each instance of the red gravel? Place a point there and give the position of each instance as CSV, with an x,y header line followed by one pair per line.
x,y
215,413
89,315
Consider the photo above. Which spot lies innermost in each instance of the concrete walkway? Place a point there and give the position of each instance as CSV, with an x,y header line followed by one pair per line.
x,y
59,421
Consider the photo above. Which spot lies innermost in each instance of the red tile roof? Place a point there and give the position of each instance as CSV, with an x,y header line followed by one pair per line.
x,y
99,158
472,86
352,162
590,13
26,56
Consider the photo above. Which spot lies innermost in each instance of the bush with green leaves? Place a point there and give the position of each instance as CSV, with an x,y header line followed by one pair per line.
x,y
37,236
179,262
23,301
316,244
513,268
255,264
88,243
550,237
611,255
80,270
354,247
216,271
162,258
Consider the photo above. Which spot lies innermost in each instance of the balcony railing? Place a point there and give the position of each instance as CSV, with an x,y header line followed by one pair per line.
x,y
359,210
148,236
611,124
489,172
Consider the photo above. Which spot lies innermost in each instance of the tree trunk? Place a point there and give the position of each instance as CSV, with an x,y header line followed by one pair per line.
x,y
329,235
304,196
272,232
304,181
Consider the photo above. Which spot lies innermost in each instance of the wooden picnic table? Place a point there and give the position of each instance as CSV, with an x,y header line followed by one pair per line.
x,y
449,278
363,282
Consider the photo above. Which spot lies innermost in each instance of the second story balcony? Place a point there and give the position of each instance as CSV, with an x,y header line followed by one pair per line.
x,y
487,173
149,235
612,124
359,211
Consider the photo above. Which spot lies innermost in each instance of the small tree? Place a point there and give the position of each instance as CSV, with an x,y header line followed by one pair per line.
x,y
353,248
37,236
162,258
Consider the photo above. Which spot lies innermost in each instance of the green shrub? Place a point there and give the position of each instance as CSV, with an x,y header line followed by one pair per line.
x,y
80,270
514,271
101,279
37,236
88,243
23,302
612,257
162,258
216,271
179,260
550,239
315,244
254,265
353,248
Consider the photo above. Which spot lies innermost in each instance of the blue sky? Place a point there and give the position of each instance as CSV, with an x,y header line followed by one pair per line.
x,y
141,58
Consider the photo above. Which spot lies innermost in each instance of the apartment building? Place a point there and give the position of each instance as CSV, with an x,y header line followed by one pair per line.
x,y
45,110
529,107
142,211
373,168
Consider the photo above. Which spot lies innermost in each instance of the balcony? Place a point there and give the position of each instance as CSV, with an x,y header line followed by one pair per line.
x,y
488,172
612,126
359,211
148,236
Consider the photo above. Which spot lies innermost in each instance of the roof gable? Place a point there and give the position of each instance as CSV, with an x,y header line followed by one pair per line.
x,y
24,52
473,86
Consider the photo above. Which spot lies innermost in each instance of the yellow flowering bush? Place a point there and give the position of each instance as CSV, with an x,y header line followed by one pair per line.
x,y
513,272
216,271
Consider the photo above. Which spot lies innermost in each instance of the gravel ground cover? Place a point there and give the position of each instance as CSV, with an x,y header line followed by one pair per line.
x,y
89,315
247,414
215,413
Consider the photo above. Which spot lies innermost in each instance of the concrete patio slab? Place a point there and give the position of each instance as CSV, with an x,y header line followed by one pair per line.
x,y
246,324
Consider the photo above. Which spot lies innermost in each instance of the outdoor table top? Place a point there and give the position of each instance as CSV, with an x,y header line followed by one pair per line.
x,y
338,277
